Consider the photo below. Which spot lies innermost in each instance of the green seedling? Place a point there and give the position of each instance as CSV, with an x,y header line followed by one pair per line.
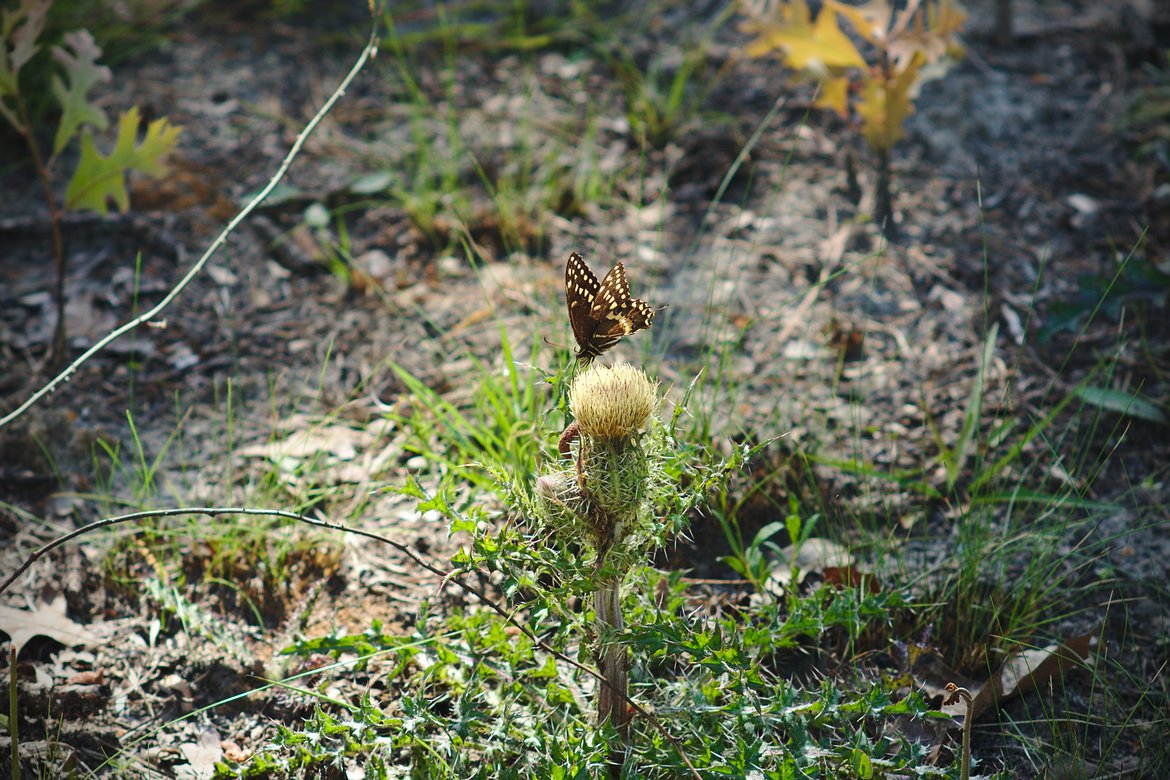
x,y
98,180
661,100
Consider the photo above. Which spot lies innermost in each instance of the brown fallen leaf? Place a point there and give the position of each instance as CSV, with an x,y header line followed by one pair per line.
x,y
851,577
1022,672
1027,670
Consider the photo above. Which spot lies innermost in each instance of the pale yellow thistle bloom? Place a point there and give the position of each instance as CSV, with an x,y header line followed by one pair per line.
x,y
612,402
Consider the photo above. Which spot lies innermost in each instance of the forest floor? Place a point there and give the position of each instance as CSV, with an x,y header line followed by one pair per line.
x,y
1032,209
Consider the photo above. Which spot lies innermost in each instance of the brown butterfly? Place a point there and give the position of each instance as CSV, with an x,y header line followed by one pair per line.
x,y
601,312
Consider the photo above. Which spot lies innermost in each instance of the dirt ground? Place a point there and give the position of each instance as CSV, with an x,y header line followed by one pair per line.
x,y
1020,178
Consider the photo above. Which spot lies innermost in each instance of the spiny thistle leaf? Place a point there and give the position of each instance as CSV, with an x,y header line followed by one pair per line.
x,y
99,180
78,57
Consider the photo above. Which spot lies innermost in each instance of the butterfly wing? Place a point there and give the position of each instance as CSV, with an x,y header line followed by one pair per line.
x,y
601,313
581,288
616,312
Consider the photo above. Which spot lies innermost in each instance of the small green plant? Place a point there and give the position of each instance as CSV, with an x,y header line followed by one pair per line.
x,y
1137,285
874,90
661,99
754,560
751,560
99,179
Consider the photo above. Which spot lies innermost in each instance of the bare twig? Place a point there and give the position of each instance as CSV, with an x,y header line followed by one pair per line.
x,y
13,713
57,351
368,52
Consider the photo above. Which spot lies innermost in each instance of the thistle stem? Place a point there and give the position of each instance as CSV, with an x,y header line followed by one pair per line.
x,y
612,662
612,657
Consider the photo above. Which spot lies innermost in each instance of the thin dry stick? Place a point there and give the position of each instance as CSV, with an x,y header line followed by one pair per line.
x,y
368,52
452,576
13,713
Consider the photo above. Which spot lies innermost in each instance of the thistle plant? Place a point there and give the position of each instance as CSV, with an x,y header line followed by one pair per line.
x,y
604,502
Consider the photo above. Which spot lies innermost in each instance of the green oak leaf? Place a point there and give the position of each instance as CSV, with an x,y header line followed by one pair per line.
x,y
78,57
100,179
20,28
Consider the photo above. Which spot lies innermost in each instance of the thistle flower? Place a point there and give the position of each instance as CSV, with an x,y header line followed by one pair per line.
x,y
612,402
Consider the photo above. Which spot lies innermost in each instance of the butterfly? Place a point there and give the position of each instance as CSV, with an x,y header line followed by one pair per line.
x,y
601,312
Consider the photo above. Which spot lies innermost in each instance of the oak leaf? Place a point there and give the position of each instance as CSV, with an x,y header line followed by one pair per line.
x,y
100,179
885,104
48,620
78,58
818,45
20,28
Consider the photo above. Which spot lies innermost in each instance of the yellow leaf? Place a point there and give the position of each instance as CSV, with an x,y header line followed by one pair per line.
x,y
818,45
885,104
774,27
835,95
871,21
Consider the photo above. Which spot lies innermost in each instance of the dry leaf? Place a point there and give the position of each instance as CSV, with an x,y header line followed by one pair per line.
x,y
851,577
48,620
1022,672
812,555
1027,670
807,43
202,755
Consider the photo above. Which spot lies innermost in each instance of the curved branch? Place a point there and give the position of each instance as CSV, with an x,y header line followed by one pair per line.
x,y
368,52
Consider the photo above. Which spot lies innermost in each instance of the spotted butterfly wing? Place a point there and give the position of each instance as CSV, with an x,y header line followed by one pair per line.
x,y
601,313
